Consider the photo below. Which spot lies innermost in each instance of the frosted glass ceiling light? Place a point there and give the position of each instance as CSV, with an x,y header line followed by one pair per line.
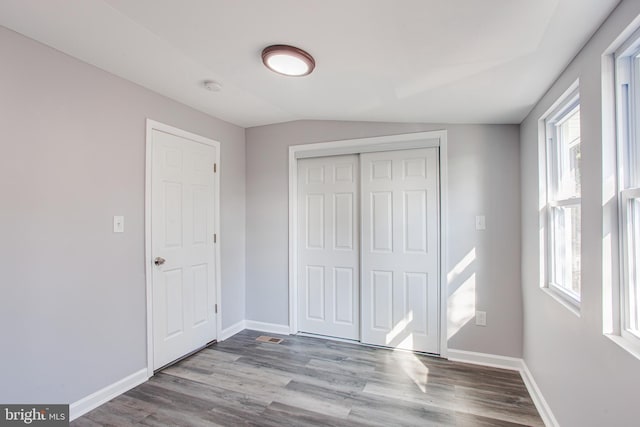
x,y
288,60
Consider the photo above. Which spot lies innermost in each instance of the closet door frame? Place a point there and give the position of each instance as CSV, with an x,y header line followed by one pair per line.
x,y
367,145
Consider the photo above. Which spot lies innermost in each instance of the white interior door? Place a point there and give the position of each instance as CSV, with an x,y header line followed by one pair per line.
x,y
400,292
328,255
182,246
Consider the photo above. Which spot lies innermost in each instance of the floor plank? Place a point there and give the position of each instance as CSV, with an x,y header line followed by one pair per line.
x,y
315,382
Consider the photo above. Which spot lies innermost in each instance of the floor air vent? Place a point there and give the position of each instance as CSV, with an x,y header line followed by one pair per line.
x,y
264,338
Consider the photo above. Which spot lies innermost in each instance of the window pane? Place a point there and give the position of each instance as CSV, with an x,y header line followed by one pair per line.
x,y
568,131
566,249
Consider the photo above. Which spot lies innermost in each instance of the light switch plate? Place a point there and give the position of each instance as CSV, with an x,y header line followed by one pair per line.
x,y
481,318
118,224
480,223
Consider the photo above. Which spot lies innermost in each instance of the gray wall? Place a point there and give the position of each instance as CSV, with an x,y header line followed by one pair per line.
x,y
72,308
586,378
483,179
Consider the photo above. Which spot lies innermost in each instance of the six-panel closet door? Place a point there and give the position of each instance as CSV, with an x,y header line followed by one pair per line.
x,y
328,246
368,248
400,292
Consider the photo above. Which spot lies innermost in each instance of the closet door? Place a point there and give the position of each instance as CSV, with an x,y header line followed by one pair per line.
x,y
400,292
328,246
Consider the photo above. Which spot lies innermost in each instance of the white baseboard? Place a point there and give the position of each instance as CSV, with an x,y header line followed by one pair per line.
x,y
88,403
232,330
271,328
538,399
514,364
484,359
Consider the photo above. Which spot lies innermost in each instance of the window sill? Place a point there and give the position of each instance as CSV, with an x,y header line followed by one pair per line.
x,y
626,344
572,306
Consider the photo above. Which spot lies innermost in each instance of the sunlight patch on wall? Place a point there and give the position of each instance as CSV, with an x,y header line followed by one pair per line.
x,y
461,266
462,306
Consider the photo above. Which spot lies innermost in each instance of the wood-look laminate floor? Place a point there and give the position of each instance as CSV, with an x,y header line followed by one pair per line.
x,y
314,382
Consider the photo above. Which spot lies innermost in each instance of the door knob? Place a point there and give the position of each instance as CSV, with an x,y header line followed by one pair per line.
x,y
159,261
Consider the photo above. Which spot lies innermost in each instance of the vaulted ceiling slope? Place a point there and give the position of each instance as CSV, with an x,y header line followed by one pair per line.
x,y
454,61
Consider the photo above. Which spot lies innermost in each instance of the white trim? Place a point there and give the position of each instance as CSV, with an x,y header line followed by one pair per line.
x,y
92,401
271,328
404,141
573,201
153,125
513,364
621,99
556,292
485,359
232,330
147,247
293,241
538,399
564,106
365,145
627,344
329,338
561,100
611,265
444,238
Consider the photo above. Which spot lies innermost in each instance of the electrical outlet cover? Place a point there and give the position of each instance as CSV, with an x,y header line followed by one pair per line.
x,y
481,318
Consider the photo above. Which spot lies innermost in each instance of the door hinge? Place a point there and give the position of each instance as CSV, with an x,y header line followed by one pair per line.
x,y
215,167
216,308
215,238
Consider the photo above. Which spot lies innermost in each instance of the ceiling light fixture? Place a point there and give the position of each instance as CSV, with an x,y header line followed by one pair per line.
x,y
288,60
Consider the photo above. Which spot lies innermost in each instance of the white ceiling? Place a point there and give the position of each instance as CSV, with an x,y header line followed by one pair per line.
x,y
437,61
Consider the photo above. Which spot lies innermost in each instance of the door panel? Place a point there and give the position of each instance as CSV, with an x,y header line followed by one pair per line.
x,y
343,219
328,257
344,291
400,249
182,226
415,221
200,287
382,221
174,311
315,293
416,300
381,300
315,221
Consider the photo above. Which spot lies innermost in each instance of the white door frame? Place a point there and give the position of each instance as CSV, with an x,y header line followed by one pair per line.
x,y
366,145
151,126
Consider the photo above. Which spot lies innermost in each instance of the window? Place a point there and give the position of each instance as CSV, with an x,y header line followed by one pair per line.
x,y
628,110
563,207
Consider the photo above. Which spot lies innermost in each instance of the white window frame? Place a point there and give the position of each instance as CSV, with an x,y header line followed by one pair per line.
x,y
563,108
627,75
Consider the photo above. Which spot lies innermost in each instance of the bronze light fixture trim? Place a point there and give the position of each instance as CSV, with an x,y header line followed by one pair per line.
x,y
288,60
